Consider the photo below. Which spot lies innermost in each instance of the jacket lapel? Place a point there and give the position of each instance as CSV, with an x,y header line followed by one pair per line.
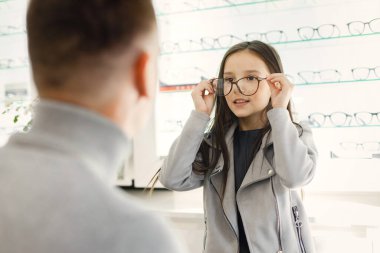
x,y
228,200
260,169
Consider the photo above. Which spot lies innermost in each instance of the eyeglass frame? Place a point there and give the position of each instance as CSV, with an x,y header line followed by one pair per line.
x,y
220,91
217,40
348,117
373,114
265,35
369,72
335,27
176,46
318,73
364,25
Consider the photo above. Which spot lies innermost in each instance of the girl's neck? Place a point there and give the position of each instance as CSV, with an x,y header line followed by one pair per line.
x,y
252,122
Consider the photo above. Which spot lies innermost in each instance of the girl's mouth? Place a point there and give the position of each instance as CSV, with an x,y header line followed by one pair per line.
x,y
240,101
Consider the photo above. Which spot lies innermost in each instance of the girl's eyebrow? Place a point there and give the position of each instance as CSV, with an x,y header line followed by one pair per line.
x,y
246,72
252,71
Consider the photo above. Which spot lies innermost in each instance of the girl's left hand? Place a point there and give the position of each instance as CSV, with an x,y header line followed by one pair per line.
x,y
281,89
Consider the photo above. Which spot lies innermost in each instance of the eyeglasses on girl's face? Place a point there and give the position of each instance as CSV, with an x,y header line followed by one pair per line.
x,y
248,86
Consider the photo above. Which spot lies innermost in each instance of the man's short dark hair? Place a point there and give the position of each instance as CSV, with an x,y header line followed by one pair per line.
x,y
63,32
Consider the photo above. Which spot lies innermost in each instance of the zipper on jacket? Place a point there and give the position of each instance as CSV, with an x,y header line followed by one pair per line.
x,y
224,214
205,235
298,224
216,171
278,218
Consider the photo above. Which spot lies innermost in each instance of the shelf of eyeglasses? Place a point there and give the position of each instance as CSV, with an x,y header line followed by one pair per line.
x,y
356,150
344,120
191,7
335,155
187,87
338,82
209,48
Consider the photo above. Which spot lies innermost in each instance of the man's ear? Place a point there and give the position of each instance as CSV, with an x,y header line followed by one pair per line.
x,y
139,71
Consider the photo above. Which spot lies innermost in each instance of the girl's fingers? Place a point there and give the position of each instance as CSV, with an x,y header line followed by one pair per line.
x,y
278,77
202,86
281,82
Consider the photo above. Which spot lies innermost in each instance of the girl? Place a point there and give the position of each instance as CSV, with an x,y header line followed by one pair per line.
x,y
252,159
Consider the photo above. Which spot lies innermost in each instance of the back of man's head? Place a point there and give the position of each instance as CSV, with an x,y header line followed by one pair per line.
x,y
80,50
65,35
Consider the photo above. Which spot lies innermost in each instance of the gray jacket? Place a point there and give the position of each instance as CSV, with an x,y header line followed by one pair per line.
x,y
57,190
272,212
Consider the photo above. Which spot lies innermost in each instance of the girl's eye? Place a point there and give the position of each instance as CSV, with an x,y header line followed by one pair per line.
x,y
251,78
229,79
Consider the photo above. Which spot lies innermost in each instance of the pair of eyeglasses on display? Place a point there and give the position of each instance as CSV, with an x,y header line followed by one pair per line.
x,y
13,63
9,29
323,31
359,27
326,31
205,43
327,75
223,41
248,86
341,119
275,36
181,46
363,73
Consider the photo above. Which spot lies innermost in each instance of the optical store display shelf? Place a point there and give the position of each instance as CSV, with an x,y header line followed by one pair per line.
x,y
354,46
308,41
189,87
226,4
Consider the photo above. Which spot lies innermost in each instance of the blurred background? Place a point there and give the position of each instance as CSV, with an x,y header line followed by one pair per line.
x,y
330,50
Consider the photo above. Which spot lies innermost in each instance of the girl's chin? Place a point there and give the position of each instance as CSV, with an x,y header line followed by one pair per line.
x,y
243,114
246,113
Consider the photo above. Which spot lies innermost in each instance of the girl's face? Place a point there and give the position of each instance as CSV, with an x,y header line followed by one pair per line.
x,y
243,64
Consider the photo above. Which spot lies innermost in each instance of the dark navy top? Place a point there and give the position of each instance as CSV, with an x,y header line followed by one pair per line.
x,y
245,142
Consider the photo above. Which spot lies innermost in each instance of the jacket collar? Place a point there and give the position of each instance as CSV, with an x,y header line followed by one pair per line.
x,y
267,139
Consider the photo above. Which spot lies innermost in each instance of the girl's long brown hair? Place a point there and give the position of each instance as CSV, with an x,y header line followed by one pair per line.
x,y
224,118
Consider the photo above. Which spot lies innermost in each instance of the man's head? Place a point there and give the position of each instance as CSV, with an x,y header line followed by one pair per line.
x,y
100,54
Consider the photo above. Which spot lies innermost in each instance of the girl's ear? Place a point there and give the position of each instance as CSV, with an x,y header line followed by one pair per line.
x,y
139,72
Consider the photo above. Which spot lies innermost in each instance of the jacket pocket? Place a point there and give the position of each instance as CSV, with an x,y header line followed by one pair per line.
x,y
298,225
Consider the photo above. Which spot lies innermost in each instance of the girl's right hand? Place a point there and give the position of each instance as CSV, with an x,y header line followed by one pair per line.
x,y
202,102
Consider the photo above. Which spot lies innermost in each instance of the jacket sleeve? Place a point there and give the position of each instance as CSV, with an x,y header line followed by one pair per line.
x,y
177,170
295,156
